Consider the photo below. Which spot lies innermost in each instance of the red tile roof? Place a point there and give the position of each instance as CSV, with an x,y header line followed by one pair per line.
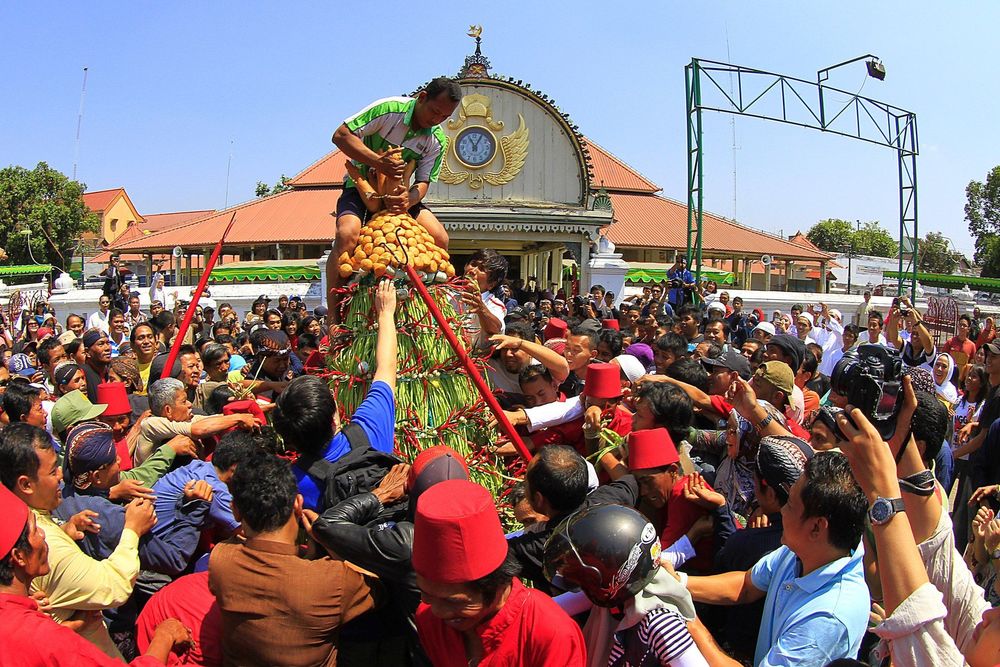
x,y
99,200
608,170
328,170
614,174
156,222
650,221
292,216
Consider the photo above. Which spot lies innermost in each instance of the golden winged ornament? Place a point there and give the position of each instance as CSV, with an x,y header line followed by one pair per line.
x,y
513,150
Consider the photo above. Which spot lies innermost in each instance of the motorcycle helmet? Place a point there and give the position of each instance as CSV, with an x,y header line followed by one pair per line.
x,y
609,552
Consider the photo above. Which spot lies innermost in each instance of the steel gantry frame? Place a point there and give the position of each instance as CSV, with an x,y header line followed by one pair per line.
x,y
859,118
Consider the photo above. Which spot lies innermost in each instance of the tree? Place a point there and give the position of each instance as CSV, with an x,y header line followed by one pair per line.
x,y
46,203
988,255
835,235
873,240
831,235
935,254
263,190
982,210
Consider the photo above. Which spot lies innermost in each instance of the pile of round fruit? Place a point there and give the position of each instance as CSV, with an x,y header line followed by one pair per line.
x,y
387,241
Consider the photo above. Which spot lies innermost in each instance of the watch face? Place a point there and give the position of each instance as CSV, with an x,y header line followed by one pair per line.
x,y
881,511
475,146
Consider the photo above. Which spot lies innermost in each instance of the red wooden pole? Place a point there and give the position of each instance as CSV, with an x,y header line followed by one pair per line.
x,y
179,339
470,367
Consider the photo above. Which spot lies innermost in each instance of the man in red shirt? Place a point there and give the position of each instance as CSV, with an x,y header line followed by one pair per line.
x,y
475,610
30,637
961,349
653,459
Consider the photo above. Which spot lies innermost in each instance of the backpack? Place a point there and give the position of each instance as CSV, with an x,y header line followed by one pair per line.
x,y
358,471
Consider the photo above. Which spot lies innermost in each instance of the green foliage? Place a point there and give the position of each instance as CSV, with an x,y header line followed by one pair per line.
x,y
46,202
831,235
262,189
935,254
988,255
835,235
873,240
982,211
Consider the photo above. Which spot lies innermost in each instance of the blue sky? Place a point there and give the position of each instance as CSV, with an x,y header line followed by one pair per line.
x,y
175,87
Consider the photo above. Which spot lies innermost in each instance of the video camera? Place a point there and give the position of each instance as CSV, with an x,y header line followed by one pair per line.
x,y
871,377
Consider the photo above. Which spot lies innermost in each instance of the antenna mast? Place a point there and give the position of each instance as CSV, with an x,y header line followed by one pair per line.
x,y
79,122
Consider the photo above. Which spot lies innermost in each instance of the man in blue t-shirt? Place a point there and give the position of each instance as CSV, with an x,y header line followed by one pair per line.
x,y
681,283
306,415
816,602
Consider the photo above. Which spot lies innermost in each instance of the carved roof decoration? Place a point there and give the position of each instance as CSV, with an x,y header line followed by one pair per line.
x,y
481,77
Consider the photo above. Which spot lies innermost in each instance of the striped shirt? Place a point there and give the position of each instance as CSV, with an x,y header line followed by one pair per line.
x,y
386,123
662,637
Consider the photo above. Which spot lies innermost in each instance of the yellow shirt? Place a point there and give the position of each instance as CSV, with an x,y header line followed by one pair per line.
x,y
144,375
78,582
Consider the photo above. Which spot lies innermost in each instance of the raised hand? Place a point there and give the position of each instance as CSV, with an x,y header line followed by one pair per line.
x,y
871,460
198,490
130,489
393,486
697,491
140,516
82,523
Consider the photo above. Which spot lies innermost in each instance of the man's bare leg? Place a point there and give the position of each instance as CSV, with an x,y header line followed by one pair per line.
x,y
348,231
434,227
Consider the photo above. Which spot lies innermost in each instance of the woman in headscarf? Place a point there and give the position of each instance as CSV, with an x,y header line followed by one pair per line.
x,y
942,372
734,478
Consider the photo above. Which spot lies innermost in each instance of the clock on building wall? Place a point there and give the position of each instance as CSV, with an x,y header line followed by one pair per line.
x,y
475,146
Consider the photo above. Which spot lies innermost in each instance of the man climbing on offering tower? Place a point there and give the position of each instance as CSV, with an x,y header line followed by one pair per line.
x,y
389,142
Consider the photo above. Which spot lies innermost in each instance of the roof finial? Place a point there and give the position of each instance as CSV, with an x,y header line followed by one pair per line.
x,y
476,65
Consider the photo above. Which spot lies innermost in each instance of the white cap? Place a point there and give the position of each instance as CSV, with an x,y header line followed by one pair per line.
x,y
717,305
631,366
807,316
766,327
836,314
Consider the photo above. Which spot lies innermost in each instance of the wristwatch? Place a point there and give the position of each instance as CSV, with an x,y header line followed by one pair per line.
x,y
995,555
884,509
763,423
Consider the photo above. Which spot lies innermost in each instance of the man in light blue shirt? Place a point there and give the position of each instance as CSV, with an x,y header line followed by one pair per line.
x,y
817,602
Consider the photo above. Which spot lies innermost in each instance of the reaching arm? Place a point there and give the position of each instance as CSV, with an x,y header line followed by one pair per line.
x,y
892,329
728,588
386,347
219,423
553,361
701,400
354,148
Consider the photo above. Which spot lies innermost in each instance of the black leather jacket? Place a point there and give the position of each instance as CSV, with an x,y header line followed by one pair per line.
x,y
383,549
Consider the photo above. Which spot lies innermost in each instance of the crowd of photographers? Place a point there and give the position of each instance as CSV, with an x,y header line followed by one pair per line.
x,y
707,486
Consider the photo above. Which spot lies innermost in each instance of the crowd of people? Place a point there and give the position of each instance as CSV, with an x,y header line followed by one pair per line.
x,y
707,486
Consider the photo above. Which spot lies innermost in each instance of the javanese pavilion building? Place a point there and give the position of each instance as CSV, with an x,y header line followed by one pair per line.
x,y
519,177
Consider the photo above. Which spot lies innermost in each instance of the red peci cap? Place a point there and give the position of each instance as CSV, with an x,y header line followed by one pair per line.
x,y
248,406
651,448
611,324
457,536
556,328
114,395
603,381
15,515
432,455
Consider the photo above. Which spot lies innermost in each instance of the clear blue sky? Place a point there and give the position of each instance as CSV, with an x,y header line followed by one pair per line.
x,y
172,84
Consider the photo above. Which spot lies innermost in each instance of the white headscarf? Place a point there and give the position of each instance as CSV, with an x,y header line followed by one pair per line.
x,y
946,390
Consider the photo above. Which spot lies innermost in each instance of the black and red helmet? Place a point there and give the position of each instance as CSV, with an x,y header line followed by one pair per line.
x,y
609,552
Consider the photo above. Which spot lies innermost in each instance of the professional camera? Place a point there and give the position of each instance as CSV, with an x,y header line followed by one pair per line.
x,y
676,283
871,377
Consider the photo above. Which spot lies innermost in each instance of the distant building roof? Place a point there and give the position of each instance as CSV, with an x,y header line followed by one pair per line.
x,y
292,216
651,221
99,200
156,222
